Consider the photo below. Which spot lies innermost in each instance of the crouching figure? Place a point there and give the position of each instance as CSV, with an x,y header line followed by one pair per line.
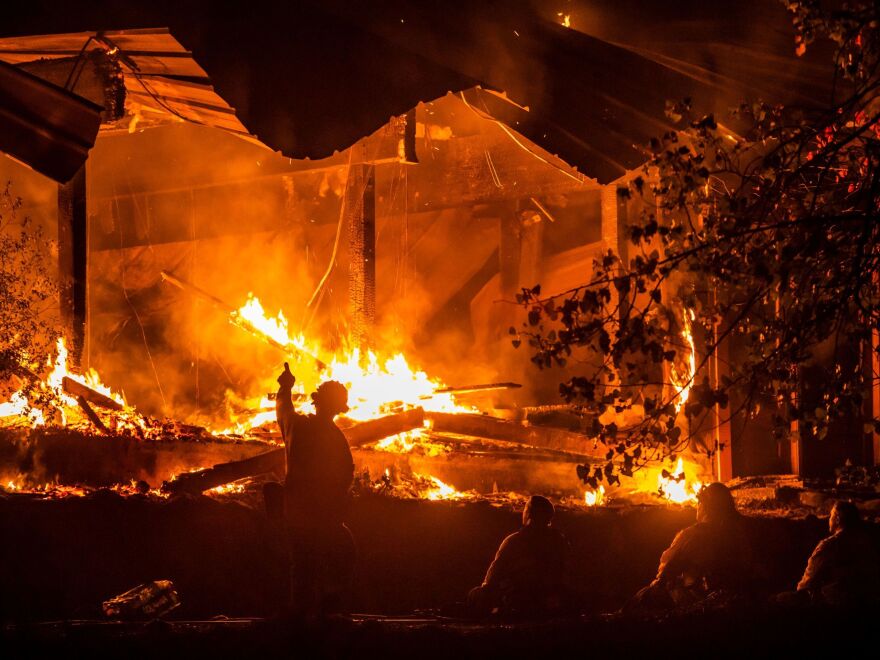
x,y
711,556
844,569
528,575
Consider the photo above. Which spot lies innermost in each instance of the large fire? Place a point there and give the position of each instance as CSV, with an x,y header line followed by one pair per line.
x,y
682,379
677,487
595,497
56,404
377,385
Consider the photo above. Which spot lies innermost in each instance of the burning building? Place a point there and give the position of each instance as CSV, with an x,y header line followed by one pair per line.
x,y
194,259
362,193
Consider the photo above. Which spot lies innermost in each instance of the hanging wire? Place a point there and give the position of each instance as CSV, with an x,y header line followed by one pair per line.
x,y
135,71
516,141
78,63
134,310
492,171
318,294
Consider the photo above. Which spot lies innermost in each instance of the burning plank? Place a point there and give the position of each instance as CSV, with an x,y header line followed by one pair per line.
x,y
236,319
92,415
271,461
383,427
79,391
485,426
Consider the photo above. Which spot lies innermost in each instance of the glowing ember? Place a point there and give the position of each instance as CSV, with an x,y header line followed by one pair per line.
x,y
227,489
677,487
440,490
402,443
595,497
49,490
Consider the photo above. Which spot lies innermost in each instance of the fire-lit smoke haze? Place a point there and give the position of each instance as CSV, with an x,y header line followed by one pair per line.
x,y
236,220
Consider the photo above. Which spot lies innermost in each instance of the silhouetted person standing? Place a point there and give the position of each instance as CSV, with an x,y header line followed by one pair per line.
x,y
712,555
844,569
528,574
319,473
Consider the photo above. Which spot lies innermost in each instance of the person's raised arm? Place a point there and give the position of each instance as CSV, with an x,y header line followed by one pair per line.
x,y
283,400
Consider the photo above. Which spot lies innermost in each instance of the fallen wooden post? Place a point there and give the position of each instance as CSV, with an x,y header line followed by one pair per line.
x,y
92,415
274,460
76,389
224,473
468,389
383,427
492,448
484,426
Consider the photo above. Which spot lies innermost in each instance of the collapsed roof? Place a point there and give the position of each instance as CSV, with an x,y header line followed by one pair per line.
x,y
308,80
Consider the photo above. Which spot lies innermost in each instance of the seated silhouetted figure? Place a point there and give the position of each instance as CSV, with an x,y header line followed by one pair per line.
x,y
844,569
713,555
528,574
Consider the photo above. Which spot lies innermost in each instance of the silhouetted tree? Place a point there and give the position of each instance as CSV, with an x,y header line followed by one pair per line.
x,y
28,290
770,234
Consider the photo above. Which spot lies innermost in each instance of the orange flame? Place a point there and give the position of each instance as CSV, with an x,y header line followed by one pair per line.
x,y
684,381
678,488
377,385
61,403
440,490
595,497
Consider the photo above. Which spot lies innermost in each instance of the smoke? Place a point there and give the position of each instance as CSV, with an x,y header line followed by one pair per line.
x,y
218,213
235,220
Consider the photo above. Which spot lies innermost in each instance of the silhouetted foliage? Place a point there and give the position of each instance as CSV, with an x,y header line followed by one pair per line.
x,y
27,294
769,234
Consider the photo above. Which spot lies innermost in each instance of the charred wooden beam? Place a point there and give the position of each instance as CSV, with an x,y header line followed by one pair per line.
x,y
503,450
485,426
92,415
274,461
78,390
467,389
73,261
224,473
360,210
95,75
410,156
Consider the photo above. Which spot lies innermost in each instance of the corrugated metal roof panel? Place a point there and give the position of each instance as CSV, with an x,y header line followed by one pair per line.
x,y
152,61
45,126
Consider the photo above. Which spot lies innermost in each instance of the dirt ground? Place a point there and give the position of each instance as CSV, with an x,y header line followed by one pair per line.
x,y
62,558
